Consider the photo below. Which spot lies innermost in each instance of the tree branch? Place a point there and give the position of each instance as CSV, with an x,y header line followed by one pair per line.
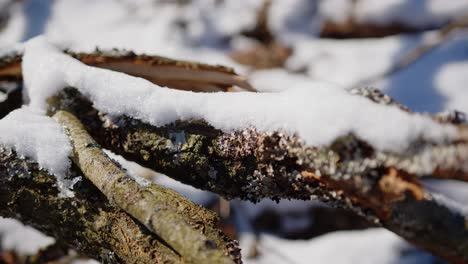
x,y
178,74
162,210
86,222
251,164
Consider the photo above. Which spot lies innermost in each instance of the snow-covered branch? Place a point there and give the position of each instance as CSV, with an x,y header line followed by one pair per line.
x,y
312,140
251,164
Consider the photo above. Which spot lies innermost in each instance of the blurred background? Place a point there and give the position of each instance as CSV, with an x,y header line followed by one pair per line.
x,y
413,50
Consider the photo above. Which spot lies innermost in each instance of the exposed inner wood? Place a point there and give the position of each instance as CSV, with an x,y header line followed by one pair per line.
x,y
177,76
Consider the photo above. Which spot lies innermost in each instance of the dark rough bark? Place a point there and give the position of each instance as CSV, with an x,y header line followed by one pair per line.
x,y
86,222
251,165
13,100
187,227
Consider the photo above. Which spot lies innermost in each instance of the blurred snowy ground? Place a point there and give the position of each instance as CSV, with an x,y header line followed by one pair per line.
x,y
211,30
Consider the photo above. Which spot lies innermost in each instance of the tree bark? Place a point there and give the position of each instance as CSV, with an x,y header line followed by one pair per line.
x,y
86,222
13,98
188,228
251,164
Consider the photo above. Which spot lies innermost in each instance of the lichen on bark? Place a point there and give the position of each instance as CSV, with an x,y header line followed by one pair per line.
x,y
86,222
251,164
188,228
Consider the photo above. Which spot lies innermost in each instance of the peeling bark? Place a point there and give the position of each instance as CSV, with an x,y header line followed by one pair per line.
x,y
87,222
251,164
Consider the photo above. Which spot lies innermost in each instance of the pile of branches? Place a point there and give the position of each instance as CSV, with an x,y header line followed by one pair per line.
x,y
115,219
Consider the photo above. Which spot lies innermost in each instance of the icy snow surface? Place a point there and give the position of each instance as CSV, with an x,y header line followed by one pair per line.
x,y
303,108
32,134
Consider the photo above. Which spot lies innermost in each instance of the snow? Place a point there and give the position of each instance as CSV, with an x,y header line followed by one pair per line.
x,y
32,134
196,195
205,30
14,28
450,81
252,211
23,239
451,193
132,168
293,17
336,10
416,13
368,246
348,62
145,177
434,83
300,109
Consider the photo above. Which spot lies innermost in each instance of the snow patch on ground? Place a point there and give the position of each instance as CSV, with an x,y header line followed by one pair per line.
x,y
451,80
348,62
365,247
434,83
416,14
15,26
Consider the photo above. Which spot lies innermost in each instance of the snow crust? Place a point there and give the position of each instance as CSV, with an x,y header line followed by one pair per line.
x,y
302,109
32,134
